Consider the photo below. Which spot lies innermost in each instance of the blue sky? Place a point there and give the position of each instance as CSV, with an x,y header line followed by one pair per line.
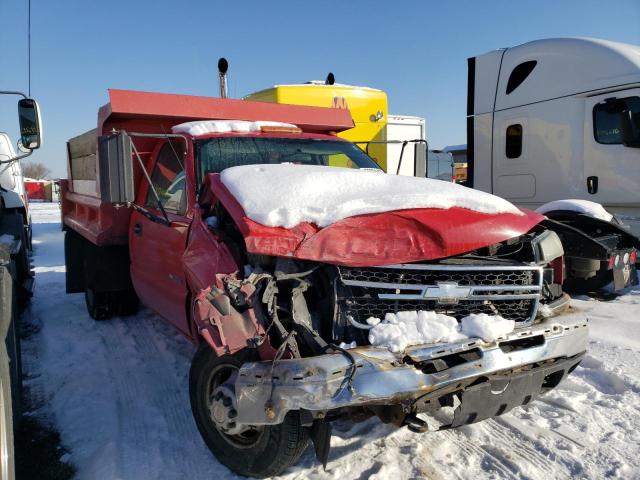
x,y
414,50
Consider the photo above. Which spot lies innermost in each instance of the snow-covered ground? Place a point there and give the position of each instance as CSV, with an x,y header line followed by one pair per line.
x,y
117,391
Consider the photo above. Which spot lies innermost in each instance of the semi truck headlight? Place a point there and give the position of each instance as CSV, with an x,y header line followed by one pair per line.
x,y
546,247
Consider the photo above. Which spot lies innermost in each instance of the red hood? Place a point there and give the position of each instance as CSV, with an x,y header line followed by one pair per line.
x,y
401,236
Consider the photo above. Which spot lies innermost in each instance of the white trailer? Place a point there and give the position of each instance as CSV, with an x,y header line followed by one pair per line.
x,y
401,128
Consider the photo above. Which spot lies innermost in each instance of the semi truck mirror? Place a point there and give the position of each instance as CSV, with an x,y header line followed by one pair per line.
x,y
116,168
30,123
629,130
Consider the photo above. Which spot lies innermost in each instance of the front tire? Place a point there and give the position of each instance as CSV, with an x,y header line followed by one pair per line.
x,y
262,452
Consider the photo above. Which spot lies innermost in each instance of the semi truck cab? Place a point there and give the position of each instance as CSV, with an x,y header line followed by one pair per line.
x,y
557,118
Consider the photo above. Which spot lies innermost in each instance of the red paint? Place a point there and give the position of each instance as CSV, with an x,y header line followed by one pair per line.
x,y
174,267
35,190
174,109
401,236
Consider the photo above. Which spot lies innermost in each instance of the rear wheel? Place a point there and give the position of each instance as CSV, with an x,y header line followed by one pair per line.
x,y
97,304
104,305
261,451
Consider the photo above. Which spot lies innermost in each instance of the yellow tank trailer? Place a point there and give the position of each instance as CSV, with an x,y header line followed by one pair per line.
x,y
368,107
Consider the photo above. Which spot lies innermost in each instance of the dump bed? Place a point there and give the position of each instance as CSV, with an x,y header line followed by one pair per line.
x,y
103,223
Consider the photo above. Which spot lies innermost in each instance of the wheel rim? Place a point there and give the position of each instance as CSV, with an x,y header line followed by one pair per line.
x,y
218,376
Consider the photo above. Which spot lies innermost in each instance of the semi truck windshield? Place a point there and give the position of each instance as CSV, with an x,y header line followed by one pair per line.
x,y
216,154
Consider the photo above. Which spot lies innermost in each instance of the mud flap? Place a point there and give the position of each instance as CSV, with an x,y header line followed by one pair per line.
x,y
624,276
321,437
500,394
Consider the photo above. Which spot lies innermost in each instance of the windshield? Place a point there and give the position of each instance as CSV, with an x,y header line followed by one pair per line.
x,y
216,154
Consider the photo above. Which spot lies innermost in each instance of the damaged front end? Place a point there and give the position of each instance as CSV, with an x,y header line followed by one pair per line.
x,y
299,315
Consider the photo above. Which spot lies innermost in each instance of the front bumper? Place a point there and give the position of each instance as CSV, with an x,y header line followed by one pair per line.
x,y
525,359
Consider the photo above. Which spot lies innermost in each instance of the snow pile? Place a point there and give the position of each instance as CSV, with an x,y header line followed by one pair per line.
x,y
202,127
487,327
286,195
404,329
591,209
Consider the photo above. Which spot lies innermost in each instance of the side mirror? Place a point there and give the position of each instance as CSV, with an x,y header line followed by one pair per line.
x,y
116,168
630,128
30,123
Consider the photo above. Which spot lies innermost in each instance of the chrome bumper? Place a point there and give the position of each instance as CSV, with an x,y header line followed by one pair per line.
x,y
265,393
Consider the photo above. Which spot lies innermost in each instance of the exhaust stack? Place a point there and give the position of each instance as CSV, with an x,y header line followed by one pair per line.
x,y
223,66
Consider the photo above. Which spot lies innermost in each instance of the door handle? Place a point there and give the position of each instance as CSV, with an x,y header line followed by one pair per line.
x,y
592,185
137,229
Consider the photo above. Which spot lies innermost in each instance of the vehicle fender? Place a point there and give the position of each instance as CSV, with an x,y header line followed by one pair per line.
x,y
226,329
11,199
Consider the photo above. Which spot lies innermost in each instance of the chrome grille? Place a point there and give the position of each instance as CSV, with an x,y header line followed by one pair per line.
x,y
512,291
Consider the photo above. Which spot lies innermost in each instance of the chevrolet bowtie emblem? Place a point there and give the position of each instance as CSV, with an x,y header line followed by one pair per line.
x,y
447,292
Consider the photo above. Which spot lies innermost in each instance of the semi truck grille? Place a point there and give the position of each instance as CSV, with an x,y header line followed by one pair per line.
x,y
512,291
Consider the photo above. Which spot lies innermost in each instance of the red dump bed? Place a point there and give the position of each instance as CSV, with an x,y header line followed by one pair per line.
x,y
106,224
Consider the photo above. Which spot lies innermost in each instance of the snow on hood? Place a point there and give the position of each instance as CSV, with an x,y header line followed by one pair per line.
x,y
286,195
585,207
202,127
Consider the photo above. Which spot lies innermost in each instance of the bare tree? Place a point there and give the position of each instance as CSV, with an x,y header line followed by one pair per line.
x,y
35,170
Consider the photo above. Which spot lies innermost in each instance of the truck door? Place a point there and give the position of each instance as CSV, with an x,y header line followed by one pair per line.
x,y
156,248
611,169
514,175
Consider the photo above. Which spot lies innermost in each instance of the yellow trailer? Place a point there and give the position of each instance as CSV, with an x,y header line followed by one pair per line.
x,y
368,107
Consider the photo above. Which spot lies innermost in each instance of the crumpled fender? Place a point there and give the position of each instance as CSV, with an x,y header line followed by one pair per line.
x,y
221,325
401,236
226,329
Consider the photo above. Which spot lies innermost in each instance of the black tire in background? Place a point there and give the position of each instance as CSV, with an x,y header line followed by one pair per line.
x,y
104,305
97,304
267,453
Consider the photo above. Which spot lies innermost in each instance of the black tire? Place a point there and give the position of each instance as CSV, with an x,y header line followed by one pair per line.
x,y
104,305
98,304
13,223
262,453
578,286
127,303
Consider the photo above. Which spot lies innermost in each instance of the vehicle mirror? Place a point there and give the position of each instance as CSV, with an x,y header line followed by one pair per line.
x,y
420,155
30,123
116,168
630,128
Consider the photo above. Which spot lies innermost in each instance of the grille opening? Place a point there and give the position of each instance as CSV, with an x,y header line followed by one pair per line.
x,y
521,344
552,380
363,287
448,361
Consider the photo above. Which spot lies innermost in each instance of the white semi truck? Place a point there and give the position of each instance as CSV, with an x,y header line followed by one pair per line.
x,y
560,119
557,118
16,279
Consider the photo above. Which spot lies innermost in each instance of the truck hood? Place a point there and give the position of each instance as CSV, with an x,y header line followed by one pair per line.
x,y
400,236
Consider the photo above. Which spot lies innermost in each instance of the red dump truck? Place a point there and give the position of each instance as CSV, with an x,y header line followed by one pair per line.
x,y
299,322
